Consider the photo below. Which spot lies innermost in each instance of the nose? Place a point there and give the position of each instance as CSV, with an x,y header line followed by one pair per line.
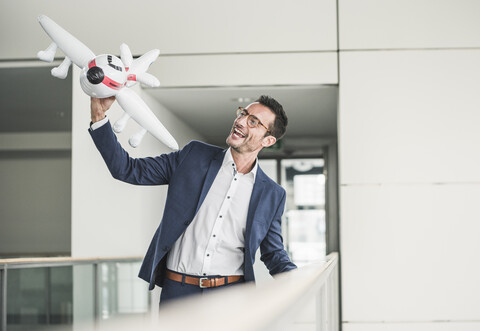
x,y
241,121
95,75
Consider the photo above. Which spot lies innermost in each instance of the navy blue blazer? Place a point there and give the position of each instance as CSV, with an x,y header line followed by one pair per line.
x,y
189,173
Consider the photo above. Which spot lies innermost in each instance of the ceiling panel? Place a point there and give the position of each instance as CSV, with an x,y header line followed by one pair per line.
x,y
312,110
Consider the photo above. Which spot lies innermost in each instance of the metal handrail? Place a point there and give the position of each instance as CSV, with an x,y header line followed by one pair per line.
x,y
39,262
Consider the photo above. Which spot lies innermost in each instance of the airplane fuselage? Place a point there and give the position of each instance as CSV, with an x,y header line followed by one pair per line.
x,y
104,76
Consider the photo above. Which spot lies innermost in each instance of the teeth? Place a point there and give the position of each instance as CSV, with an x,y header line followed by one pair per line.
x,y
239,132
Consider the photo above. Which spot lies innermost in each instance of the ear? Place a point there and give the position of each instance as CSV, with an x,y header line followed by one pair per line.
x,y
269,141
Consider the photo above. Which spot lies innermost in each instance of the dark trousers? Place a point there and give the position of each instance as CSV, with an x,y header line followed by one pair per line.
x,y
172,290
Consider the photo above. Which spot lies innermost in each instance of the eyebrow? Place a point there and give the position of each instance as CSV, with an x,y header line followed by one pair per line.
x,y
255,117
246,111
265,126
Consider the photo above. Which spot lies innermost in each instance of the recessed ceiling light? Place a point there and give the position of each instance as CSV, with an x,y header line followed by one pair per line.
x,y
242,99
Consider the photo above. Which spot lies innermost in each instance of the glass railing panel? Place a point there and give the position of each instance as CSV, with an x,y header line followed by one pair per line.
x,y
61,295
45,296
37,297
83,294
121,291
133,296
108,290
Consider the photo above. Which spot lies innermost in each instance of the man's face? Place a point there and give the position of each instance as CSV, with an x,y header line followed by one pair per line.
x,y
243,138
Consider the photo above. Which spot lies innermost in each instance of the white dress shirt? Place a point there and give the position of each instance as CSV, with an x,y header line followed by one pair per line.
x,y
214,243
98,124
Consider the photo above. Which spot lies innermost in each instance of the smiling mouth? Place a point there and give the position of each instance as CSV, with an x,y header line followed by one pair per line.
x,y
236,132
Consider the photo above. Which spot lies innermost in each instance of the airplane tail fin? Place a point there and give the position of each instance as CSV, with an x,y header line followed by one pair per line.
x,y
126,56
137,69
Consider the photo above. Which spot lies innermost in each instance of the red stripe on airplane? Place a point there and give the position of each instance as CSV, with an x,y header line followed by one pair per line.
x,y
111,83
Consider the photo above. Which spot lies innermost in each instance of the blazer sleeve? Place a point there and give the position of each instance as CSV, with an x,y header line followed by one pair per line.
x,y
272,251
139,171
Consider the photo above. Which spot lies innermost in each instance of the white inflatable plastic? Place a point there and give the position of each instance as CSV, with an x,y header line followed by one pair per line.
x,y
106,75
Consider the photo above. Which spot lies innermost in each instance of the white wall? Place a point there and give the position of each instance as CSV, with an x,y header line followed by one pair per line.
x,y
411,115
409,160
392,24
111,218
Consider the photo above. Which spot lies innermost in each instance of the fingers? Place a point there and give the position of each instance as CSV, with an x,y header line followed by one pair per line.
x,y
98,107
107,102
102,104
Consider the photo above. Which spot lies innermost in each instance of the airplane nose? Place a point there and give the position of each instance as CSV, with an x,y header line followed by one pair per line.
x,y
95,75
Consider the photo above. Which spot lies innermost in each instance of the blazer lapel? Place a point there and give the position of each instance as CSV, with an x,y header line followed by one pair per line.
x,y
256,198
212,171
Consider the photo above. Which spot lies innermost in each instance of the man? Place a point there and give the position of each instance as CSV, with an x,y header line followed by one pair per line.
x,y
220,207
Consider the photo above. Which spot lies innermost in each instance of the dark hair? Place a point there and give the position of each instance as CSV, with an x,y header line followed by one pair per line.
x,y
281,121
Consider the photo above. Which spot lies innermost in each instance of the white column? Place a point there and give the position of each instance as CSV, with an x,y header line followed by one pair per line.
x,y
410,188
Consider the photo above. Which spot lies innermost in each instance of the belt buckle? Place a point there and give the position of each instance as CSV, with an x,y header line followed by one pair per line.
x,y
200,282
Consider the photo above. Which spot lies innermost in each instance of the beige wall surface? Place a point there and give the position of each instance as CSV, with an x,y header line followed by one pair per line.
x,y
409,164
392,24
307,68
409,252
399,326
410,116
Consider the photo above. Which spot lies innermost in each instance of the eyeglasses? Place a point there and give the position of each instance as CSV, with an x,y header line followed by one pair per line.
x,y
252,121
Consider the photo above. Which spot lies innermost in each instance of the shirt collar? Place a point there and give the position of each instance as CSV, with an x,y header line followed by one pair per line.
x,y
228,162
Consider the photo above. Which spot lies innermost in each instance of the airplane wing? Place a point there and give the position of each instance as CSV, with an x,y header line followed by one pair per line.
x,y
71,46
143,62
134,106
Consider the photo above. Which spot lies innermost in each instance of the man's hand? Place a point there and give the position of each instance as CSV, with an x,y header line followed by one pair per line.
x,y
98,107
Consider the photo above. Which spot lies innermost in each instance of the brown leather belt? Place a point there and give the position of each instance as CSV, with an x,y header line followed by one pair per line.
x,y
203,282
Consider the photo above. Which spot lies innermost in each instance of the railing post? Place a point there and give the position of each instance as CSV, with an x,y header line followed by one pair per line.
x,y
318,311
329,308
3,298
336,302
48,296
95,293
322,312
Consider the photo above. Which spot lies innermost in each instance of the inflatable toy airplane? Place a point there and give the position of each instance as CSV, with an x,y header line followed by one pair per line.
x,y
106,75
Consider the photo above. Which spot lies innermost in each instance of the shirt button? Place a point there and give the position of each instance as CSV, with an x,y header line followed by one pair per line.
x,y
233,164
228,197
214,235
208,254
234,179
220,216
204,274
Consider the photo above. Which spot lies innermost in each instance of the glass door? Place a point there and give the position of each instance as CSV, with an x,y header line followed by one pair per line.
x,y
305,223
